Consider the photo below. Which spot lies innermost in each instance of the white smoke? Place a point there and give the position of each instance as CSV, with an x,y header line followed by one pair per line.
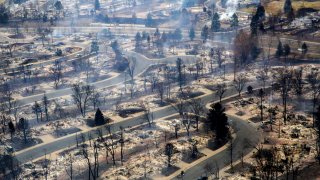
x,y
232,6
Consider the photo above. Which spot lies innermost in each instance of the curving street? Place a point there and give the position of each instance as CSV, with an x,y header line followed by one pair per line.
x,y
143,62
244,130
247,137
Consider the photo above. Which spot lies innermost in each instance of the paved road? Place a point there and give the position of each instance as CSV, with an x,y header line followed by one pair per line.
x,y
70,140
247,136
142,64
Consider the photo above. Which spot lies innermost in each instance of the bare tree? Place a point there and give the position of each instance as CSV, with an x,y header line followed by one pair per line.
x,y
15,110
230,148
261,95
10,48
148,115
95,99
199,67
314,83
24,126
69,165
267,163
180,78
81,95
243,44
240,82
36,108
219,52
91,166
7,93
132,88
180,106
211,55
186,121
220,90
96,160
197,108
56,72
110,144
263,75
58,110
46,102
42,32
283,78
160,88
131,68
209,169
4,118
45,165
297,81
121,141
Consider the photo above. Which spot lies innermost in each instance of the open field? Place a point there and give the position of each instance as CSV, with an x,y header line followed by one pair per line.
x,y
274,7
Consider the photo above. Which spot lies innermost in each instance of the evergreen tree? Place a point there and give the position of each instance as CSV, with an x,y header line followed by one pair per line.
x,y
218,122
134,18
205,32
99,118
192,34
94,47
11,128
234,21
138,39
4,15
115,47
215,24
58,52
46,102
24,126
256,20
261,12
157,33
279,51
254,24
97,5
106,19
164,37
45,18
287,6
304,48
144,35
148,40
58,5
286,50
178,34
290,15
149,21
179,66
224,3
